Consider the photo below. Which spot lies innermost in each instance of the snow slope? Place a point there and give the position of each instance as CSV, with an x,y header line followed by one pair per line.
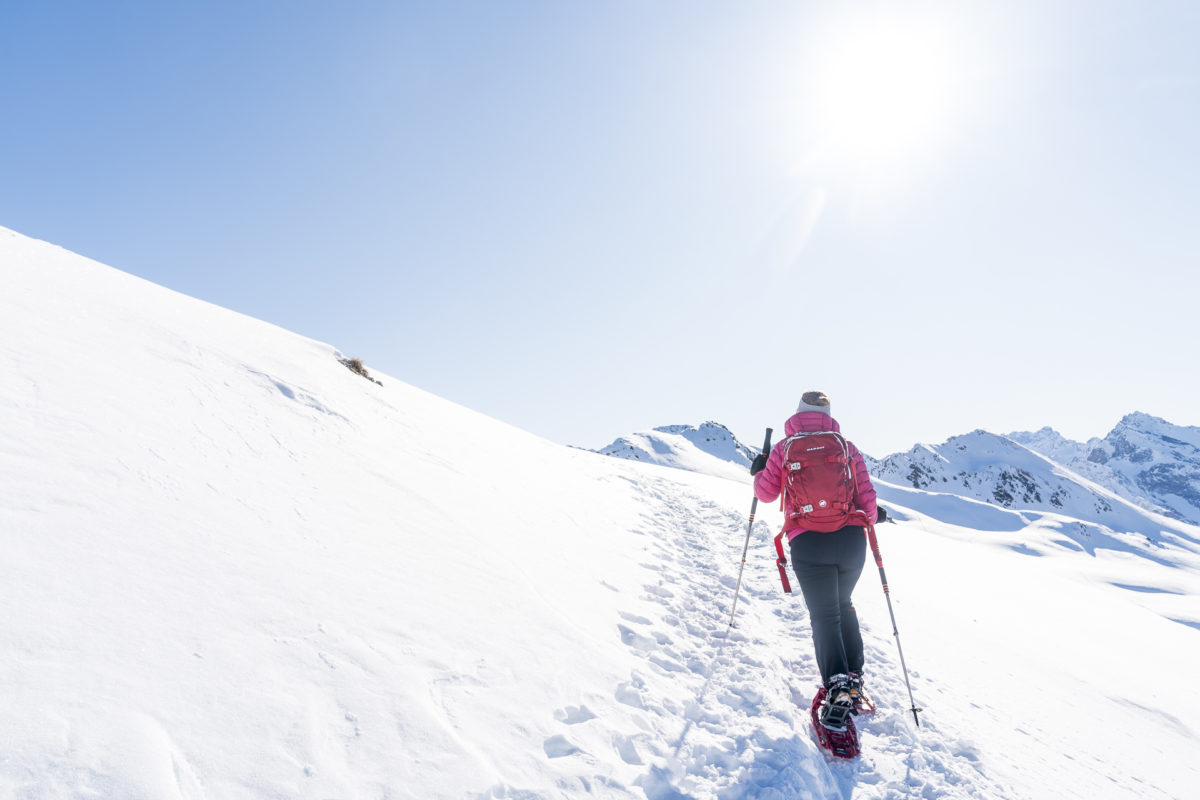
x,y
235,569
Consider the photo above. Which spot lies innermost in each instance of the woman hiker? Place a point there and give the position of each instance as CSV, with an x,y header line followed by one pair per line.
x,y
827,554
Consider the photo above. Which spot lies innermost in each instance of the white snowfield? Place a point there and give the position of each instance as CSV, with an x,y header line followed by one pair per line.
x,y
234,569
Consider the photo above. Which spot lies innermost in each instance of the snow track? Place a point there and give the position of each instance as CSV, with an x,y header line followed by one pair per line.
x,y
725,715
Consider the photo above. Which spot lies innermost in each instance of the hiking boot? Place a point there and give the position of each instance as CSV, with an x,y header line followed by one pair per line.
x,y
839,703
862,702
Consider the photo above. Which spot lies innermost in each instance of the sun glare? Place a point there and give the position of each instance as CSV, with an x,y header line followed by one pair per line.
x,y
885,92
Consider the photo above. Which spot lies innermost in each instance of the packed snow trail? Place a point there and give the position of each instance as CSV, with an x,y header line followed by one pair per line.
x,y
743,699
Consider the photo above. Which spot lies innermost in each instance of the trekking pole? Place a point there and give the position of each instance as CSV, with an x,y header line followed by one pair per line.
x,y
895,631
746,547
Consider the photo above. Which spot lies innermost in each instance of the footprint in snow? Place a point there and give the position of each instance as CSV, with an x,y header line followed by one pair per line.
x,y
559,747
636,640
630,696
574,715
627,750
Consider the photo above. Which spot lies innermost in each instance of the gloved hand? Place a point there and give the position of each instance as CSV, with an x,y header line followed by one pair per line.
x,y
760,463
880,514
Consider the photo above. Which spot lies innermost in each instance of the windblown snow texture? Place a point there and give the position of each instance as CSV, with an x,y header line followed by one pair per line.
x,y
235,569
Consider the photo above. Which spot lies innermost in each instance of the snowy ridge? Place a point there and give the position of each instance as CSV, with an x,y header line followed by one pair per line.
x,y
1146,460
710,449
235,569
1097,508
997,470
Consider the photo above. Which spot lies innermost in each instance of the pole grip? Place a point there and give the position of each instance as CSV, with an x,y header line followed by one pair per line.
x,y
767,444
874,546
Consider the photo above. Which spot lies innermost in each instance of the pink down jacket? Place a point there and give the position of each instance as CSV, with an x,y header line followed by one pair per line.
x,y
767,482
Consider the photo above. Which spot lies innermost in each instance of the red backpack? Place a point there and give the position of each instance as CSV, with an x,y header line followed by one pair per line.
x,y
818,484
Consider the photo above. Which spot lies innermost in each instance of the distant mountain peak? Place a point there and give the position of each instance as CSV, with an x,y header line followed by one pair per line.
x,y
709,448
1141,418
1144,459
708,428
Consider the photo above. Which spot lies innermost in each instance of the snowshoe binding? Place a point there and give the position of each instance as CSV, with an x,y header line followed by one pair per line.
x,y
863,704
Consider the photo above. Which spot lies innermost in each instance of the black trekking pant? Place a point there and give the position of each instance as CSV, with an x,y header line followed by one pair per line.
x,y
828,565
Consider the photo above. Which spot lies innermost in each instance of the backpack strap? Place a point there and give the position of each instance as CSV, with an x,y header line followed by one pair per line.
x,y
783,477
781,562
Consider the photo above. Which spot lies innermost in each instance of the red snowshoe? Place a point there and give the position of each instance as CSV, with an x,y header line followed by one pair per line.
x,y
841,740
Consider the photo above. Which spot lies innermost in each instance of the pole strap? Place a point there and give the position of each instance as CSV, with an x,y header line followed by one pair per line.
x,y
781,562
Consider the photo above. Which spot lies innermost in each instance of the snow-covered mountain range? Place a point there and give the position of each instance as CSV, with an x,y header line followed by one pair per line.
x,y
1000,471
1144,459
1145,469
234,568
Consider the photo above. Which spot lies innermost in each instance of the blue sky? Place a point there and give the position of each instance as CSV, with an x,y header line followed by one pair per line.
x,y
586,219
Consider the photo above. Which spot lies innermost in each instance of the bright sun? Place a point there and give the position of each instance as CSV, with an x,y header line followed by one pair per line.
x,y
886,92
